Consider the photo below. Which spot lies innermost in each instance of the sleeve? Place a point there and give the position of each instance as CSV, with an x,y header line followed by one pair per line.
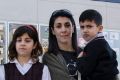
x,y
2,73
46,73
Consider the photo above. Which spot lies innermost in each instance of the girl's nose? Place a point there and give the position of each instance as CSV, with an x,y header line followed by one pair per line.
x,y
22,43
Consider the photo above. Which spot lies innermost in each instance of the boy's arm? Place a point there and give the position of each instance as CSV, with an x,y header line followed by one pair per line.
x,y
87,59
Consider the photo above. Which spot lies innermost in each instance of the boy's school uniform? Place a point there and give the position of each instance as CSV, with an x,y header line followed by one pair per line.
x,y
99,60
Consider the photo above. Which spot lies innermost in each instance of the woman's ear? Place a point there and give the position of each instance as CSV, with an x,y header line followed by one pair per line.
x,y
73,29
52,31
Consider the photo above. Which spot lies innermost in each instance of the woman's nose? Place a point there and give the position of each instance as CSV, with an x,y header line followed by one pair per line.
x,y
63,28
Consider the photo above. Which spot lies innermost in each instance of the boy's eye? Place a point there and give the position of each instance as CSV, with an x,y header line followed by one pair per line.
x,y
82,27
89,26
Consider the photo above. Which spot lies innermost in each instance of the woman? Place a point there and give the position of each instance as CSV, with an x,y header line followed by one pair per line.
x,y
62,50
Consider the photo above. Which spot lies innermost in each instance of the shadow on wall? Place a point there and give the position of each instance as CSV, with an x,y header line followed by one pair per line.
x,y
113,1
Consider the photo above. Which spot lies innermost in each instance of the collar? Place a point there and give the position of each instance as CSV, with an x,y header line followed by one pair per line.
x,y
100,34
16,61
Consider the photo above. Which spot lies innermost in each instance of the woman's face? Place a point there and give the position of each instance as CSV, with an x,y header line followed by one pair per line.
x,y
24,45
63,30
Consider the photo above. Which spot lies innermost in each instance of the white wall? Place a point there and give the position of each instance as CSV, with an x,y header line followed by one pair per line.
x,y
39,11
18,10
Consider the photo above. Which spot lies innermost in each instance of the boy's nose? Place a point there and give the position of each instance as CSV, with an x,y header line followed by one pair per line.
x,y
85,30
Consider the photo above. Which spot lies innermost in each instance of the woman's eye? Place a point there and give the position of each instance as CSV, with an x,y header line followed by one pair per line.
x,y
67,25
58,26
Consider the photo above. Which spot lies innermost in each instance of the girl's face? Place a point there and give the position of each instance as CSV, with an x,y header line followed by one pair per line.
x,y
63,30
24,45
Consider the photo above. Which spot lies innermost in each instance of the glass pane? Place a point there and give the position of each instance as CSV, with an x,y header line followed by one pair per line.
x,y
2,42
44,37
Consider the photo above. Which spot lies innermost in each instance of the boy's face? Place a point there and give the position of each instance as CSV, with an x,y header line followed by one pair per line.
x,y
89,29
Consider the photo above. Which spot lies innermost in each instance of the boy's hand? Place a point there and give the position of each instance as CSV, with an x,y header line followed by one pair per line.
x,y
80,55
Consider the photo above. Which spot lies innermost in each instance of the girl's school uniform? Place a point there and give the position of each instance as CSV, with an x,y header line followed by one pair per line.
x,y
30,71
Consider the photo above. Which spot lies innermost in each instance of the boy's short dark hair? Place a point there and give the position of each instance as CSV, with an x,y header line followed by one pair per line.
x,y
91,15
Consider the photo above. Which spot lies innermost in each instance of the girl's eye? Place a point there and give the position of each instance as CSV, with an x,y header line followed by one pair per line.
x,y
28,40
18,40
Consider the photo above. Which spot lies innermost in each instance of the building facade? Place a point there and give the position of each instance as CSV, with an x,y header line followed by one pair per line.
x,y
37,12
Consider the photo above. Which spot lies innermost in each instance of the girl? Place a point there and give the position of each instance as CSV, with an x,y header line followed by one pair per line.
x,y
24,52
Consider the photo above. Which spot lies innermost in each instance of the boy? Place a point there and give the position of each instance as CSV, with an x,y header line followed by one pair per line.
x,y
98,59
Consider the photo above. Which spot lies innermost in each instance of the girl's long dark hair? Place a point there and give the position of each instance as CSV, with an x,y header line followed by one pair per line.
x,y
33,34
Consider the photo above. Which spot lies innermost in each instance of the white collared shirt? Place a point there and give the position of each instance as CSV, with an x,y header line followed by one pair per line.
x,y
24,69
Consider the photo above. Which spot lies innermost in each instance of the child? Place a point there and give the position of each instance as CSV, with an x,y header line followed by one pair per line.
x,y
98,60
24,52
